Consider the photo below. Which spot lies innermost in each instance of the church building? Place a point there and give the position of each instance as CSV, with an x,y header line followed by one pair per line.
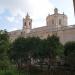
x,y
56,24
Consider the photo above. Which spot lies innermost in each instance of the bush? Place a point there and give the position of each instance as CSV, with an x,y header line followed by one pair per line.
x,y
8,72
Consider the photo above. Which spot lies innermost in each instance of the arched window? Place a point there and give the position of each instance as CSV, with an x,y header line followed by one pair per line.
x,y
29,23
59,21
47,23
52,21
25,23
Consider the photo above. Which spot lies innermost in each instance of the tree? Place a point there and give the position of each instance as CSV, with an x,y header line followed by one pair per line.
x,y
69,52
4,40
69,47
4,47
18,51
23,49
54,48
70,60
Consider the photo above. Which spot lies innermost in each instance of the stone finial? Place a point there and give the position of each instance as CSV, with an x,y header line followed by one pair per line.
x,y
27,16
49,14
63,13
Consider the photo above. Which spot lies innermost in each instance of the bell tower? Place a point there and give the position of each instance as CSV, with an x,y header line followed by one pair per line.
x,y
27,24
56,20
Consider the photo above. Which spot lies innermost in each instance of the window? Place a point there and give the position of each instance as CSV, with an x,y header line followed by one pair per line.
x,y
47,22
52,21
59,21
25,23
29,23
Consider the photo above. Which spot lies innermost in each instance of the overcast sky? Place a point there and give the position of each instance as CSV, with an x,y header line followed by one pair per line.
x,y
13,11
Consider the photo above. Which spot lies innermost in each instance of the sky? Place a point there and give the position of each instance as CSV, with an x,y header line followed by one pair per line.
x,y
12,12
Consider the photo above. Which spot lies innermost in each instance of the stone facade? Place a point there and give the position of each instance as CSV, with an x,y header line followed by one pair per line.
x,y
56,24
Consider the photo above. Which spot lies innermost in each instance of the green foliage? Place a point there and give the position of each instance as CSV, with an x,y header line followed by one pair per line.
x,y
4,47
55,48
69,47
18,50
70,60
23,49
9,72
69,51
4,41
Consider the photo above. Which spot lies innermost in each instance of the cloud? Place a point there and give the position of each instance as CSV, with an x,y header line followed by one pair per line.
x,y
23,6
13,28
38,9
10,19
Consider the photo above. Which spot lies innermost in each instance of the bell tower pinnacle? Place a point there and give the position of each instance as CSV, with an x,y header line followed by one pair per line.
x,y
27,24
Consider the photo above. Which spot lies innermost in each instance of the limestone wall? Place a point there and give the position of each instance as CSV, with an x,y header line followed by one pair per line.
x,y
67,34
